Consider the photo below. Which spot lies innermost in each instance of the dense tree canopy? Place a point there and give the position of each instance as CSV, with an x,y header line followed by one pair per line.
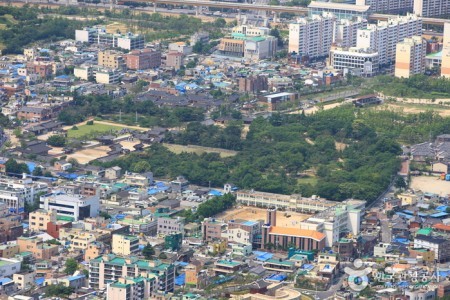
x,y
278,150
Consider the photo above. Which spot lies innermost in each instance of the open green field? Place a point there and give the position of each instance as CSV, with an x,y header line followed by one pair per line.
x,y
308,180
92,130
177,149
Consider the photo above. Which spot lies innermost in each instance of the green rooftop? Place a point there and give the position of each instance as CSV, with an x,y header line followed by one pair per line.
x,y
278,262
425,231
65,218
228,263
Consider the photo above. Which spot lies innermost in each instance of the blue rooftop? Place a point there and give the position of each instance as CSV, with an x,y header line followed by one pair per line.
x,y
442,208
214,193
5,280
180,280
72,278
39,281
249,223
439,215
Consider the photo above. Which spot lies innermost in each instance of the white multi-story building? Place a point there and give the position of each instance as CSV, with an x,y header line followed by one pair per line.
x,y
432,8
98,35
312,36
77,207
15,192
346,31
384,36
342,218
439,245
387,6
107,76
445,58
340,10
251,30
9,267
167,225
410,57
356,60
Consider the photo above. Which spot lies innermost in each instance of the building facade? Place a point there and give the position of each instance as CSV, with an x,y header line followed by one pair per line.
x,y
143,59
124,244
432,8
364,61
77,207
388,6
410,57
312,37
445,59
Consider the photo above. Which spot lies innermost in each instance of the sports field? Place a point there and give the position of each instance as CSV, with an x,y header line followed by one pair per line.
x,y
91,130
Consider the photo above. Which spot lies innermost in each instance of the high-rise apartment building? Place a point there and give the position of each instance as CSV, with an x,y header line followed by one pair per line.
x,y
445,65
432,8
312,36
346,30
384,36
388,6
410,57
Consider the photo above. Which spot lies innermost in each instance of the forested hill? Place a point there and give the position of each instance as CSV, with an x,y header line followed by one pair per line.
x,y
337,154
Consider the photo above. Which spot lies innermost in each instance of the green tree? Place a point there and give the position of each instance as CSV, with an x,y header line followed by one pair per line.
x,y
104,214
400,183
57,141
71,266
59,290
12,166
148,251
37,171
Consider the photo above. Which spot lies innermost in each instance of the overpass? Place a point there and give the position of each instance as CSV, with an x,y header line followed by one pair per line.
x,y
427,21
232,5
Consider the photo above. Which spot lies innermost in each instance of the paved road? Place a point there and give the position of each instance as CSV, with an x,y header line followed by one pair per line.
x,y
328,294
386,232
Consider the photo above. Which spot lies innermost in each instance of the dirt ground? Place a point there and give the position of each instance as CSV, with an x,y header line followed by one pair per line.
x,y
254,213
86,155
431,184
416,110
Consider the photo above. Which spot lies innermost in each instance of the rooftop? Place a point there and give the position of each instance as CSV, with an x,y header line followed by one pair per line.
x,y
318,236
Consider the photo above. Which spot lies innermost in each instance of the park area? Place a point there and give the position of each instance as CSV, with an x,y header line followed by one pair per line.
x,y
285,219
91,131
177,149
431,184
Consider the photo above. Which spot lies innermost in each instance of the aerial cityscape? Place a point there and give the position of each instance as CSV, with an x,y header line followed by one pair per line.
x,y
225,149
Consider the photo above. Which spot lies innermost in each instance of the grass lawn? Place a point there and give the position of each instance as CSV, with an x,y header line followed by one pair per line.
x,y
90,130
308,180
177,149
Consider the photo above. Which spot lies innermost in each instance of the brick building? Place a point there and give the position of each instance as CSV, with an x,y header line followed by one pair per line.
x,y
143,59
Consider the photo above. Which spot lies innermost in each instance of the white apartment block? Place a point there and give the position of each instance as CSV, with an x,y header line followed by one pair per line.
x,y
77,207
432,8
410,57
384,36
312,36
445,64
98,35
15,192
346,31
387,6
361,61
167,225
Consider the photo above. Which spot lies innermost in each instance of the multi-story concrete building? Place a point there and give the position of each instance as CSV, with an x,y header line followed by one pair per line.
x,y
9,267
287,202
243,231
107,76
15,192
410,57
249,47
174,60
251,30
167,225
131,288
432,8
138,180
253,84
98,35
124,244
384,36
340,10
445,59
111,59
38,248
212,229
143,59
346,31
77,207
340,219
110,268
312,36
277,237
355,60
387,6
180,47
440,246
39,219
9,250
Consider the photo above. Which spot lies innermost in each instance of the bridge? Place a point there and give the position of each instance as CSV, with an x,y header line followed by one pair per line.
x,y
427,21
232,5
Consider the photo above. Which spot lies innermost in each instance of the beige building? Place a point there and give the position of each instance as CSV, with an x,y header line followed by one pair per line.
x,y
40,218
94,250
407,199
410,57
37,247
445,67
8,250
24,280
111,59
124,244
